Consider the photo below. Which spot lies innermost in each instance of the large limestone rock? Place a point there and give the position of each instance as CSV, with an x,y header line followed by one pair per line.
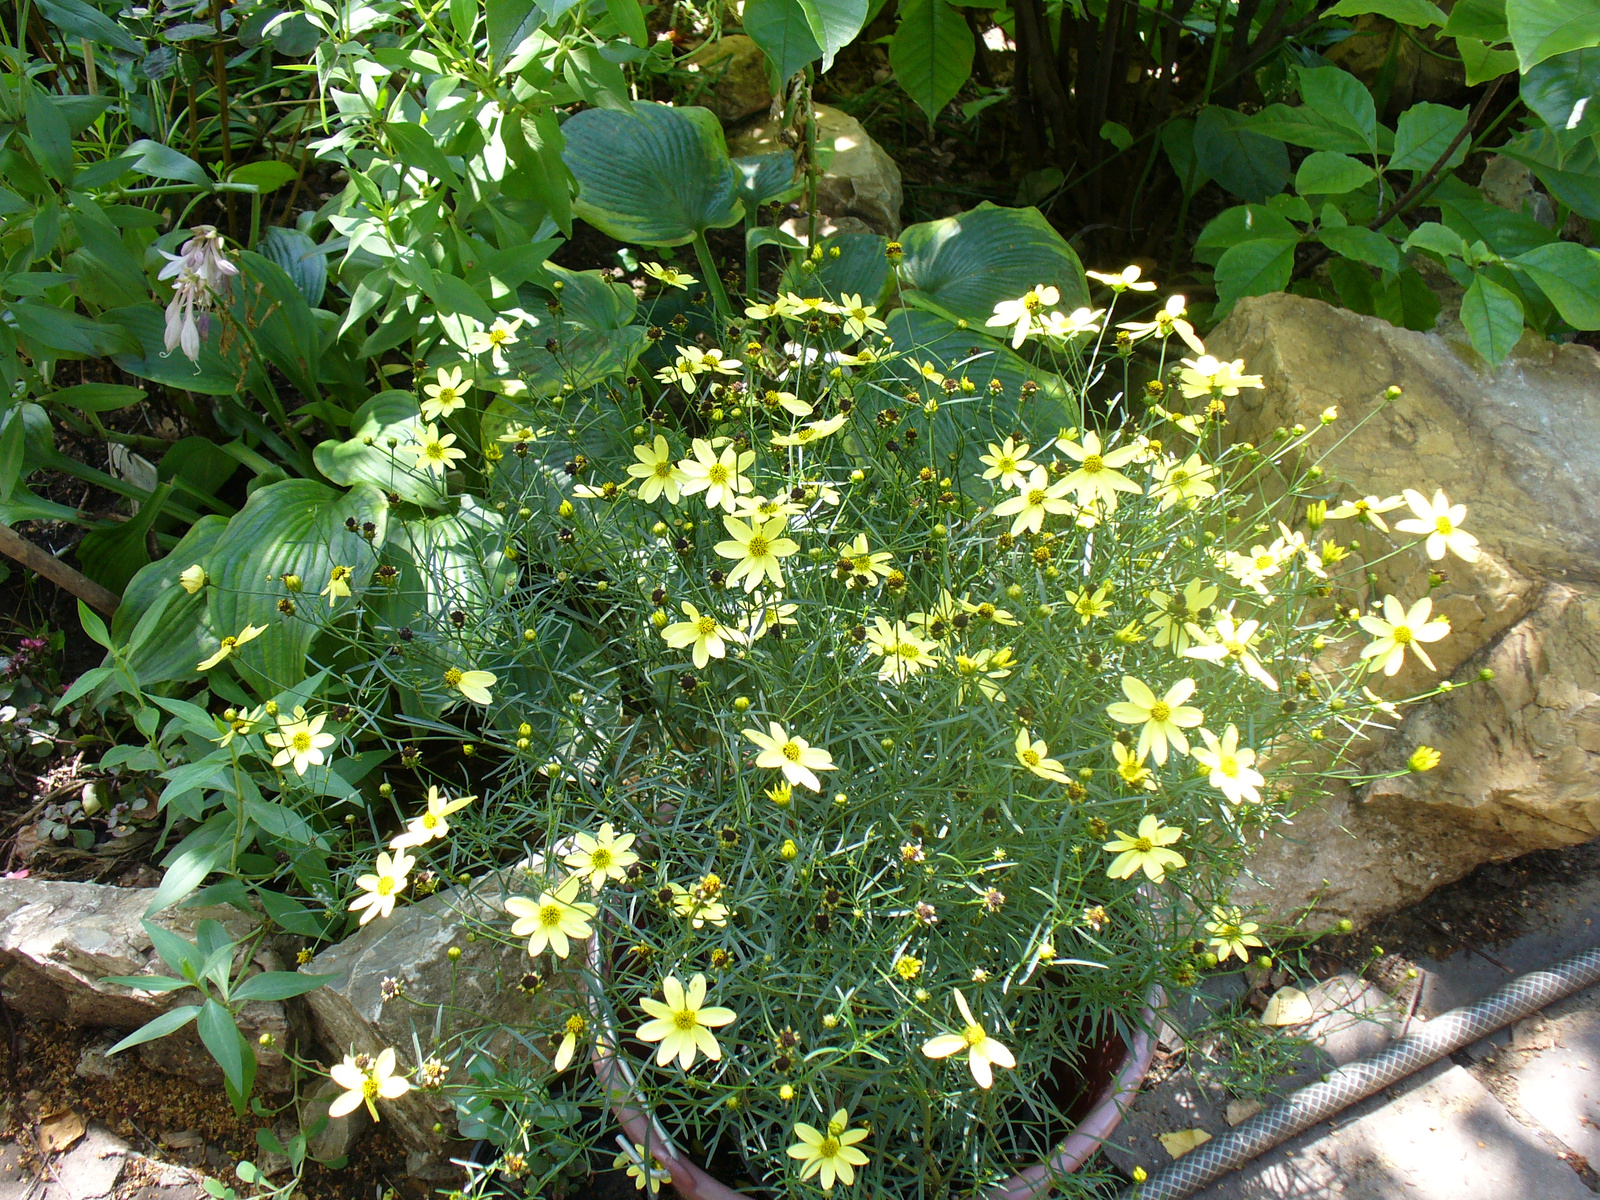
x,y
860,180
438,1005
59,941
735,74
1520,446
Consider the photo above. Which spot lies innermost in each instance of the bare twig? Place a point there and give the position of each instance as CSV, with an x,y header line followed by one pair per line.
x,y
13,545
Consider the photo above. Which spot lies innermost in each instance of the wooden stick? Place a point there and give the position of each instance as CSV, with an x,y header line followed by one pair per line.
x,y
13,545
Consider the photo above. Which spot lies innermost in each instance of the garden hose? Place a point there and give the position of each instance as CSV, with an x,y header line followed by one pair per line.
x,y
1302,1109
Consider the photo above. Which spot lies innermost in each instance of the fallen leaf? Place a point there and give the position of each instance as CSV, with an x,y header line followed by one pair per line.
x,y
1288,1006
186,1139
1184,1140
1242,1110
58,1130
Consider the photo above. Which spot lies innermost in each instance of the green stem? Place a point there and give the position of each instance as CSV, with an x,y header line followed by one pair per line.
x,y
708,267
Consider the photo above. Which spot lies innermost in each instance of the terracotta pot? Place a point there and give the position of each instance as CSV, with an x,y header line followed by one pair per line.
x,y
693,1183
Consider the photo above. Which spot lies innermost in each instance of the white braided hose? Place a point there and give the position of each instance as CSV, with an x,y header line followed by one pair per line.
x,y
1443,1035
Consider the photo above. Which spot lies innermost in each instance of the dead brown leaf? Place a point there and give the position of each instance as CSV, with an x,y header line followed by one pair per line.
x,y
59,1130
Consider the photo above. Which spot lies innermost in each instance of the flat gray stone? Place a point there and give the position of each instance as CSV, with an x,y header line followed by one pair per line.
x,y
1449,1139
1558,1084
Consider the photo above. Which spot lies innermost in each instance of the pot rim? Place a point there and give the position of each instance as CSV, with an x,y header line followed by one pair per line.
x,y
694,1183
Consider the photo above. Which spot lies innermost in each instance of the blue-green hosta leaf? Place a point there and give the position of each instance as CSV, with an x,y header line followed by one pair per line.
x,y
860,269
657,176
366,456
975,417
450,561
966,264
213,375
766,179
594,337
1420,13
296,527
299,257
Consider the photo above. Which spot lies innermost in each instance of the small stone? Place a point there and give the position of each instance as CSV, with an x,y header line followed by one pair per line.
x,y
734,73
859,179
1241,1110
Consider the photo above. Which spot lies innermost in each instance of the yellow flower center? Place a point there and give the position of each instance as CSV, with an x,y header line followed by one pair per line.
x,y
684,1020
447,395
385,885
804,435
862,564
434,451
828,1148
576,1025
705,626
986,611
1031,302
1178,477
717,474
1143,845
301,741
791,751
229,643
1228,765
497,337
1265,562
1005,464
601,859
550,916
1160,710
452,677
1443,525
431,821
973,1035
1402,635
1030,758
1036,497
758,547
369,1088
663,469
1093,465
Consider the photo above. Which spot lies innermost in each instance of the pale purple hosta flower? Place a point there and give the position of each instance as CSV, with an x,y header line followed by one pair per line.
x,y
201,271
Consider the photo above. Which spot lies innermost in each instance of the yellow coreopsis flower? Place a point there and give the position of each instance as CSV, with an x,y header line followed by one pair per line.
x,y
432,823
720,477
702,632
473,685
1231,934
669,276
1124,280
1035,755
1228,642
338,585
381,889
902,652
1174,617
649,1174
812,431
867,566
435,452
1146,851
983,1051
1441,521
981,669
1185,483
1097,479
1208,376
1168,321
193,578
1090,605
554,920
1008,463
858,318
683,1024
794,756
758,546
494,340
366,1080
1036,498
1398,629
832,1153
1231,765
300,741
230,644
1021,314
602,856
661,476
445,396
1131,769
1162,720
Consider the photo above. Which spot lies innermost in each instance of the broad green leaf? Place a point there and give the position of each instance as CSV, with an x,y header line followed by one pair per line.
x,y
1561,89
290,915
534,144
294,527
860,269
1363,245
966,264
85,21
278,985
1431,235
835,24
268,175
1177,139
111,557
415,148
785,34
1568,164
1569,274
1541,29
766,179
187,866
50,331
931,53
1325,173
447,562
167,1022
658,176
1492,317
1481,20
163,162
508,23
1341,99
221,1037
1304,126
1463,209
1254,268
1423,132
48,134
180,637
144,354
1420,13
630,19
367,455
96,397
1482,62
300,258
1247,164
1117,134
1241,223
